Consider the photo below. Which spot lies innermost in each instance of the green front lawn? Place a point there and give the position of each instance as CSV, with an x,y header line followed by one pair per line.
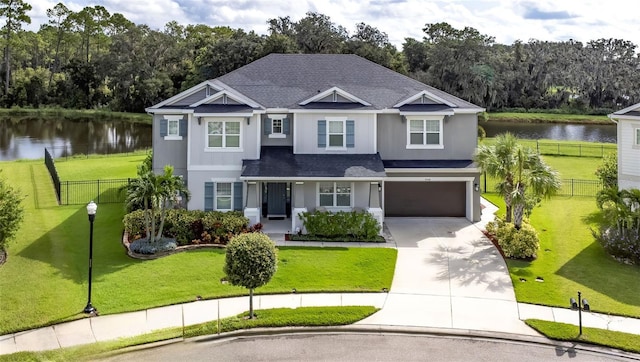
x,y
569,332
570,260
98,167
44,280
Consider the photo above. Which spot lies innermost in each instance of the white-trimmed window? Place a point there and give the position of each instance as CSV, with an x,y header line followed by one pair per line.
x,y
424,132
223,134
173,127
224,196
276,126
335,194
336,133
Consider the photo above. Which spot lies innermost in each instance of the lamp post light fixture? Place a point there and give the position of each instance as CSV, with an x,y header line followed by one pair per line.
x,y
580,305
91,211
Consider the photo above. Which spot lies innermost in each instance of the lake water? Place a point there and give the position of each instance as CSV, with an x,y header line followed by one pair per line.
x,y
27,138
554,131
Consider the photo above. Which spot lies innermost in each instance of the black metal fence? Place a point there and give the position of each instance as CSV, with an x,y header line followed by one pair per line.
x,y
100,191
86,150
81,192
51,167
567,148
570,187
577,187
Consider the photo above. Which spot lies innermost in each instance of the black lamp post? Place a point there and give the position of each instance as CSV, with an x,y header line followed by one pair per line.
x,y
91,211
581,305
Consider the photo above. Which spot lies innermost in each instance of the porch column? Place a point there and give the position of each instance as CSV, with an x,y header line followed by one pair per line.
x,y
375,189
251,210
298,207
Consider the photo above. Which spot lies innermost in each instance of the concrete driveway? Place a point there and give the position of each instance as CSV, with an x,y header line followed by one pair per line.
x,y
448,275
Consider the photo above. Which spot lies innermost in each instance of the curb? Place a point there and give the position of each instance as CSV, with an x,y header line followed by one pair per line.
x,y
382,329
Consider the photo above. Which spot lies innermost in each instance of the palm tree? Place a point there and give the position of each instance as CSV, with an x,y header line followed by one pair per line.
x,y
523,176
498,161
154,192
534,180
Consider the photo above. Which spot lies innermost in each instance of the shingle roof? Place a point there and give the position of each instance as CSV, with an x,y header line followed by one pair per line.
x,y
284,80
280,161
428,163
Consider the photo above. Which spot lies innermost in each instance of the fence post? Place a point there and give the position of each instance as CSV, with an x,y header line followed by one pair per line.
x,y
98,191
558,145
580,150
572,187
67,187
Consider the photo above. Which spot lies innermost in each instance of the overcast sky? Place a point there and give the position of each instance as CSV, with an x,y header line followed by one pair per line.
x,y
506,20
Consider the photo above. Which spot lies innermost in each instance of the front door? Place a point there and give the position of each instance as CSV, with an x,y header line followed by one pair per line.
x,y
276,199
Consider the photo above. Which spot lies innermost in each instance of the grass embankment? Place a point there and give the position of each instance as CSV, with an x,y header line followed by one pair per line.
x,y
44,280
548,118
569,258
72,114
565,148
281,317
569,332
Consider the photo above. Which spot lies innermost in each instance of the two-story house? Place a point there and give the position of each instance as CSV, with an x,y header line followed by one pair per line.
x,y
628,121
298,132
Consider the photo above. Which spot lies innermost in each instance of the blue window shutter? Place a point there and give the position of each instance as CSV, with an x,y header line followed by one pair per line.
x,y
322,133
286,126
208,196
350,134
237,196
267,126
163,127
182,125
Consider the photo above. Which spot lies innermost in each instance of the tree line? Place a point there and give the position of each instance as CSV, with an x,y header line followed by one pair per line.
x,y
94,59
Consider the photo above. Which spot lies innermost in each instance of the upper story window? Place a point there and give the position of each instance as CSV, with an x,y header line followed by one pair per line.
x,y
173,127
276,126
637,137
336,133
223,134
424,133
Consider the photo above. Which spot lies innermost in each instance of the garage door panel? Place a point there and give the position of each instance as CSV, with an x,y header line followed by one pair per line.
x,y
435,199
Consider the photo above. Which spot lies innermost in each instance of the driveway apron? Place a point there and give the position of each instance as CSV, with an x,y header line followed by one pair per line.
x,y
448,275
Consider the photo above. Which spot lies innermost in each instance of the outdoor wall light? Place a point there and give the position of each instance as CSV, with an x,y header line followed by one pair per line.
x,y
379,187
199,120
248,121
476,187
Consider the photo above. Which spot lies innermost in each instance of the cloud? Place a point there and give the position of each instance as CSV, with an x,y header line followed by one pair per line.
x,y
534,13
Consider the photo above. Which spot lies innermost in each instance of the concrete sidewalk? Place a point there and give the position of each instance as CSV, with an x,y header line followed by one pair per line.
x,y
448,276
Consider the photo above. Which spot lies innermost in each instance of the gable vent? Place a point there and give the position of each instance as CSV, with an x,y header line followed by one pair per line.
x,y
335,96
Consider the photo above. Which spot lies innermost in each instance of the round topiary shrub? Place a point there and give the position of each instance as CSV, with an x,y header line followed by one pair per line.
x,y
517,244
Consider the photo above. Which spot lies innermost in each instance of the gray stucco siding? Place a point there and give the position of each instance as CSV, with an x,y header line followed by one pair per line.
x,y
459,139
196,182
168,151
201,155
306,132
267,140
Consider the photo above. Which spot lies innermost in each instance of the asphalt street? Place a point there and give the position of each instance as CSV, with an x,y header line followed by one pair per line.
x,y
365,347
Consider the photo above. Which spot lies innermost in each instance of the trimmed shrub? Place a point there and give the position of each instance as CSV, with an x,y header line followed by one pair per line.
x,y
191,226
623,244
359,225
144,246
516,244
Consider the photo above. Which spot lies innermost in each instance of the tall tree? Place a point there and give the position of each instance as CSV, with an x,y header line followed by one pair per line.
x,y
316,33
15,14
58,16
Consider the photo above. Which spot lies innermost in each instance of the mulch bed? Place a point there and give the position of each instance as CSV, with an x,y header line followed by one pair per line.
x,y
179,249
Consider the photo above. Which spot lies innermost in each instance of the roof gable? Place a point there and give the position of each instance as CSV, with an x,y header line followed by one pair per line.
x,y
226,97
424,97
334,94
199,91
632,112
